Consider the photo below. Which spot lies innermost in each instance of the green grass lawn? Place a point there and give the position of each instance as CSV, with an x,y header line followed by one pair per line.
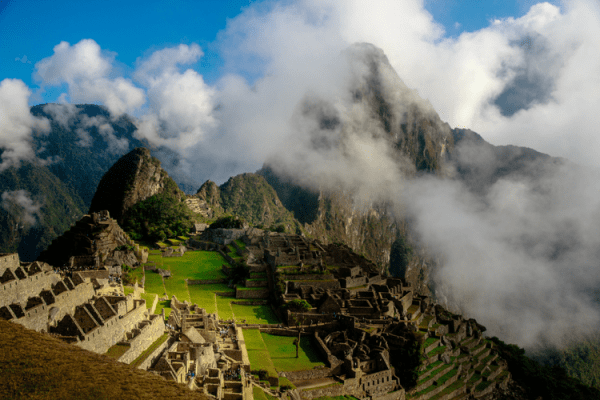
x,y
254,314
283,353
240,244
257,352
149,297
204,297
166,304
176,285
260,394
135,274
224,307
154,284
197,265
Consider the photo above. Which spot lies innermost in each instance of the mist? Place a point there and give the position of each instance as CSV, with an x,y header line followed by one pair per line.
x,y
300,91
20,201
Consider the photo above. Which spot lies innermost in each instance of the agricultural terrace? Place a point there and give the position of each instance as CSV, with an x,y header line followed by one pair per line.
x,y
278,354
214,297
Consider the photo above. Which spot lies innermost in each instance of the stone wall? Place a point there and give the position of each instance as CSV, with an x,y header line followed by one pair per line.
x,y
19,290
257,283
252,294
251,302
329,391
8,260
100,339
205,281
333,284
155,355
154,304
307,277
401,395
353,282
315,373
153,329
226,257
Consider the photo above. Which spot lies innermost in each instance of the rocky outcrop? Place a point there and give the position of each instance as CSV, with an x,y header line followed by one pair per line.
x,y
95,241
135,177
250,197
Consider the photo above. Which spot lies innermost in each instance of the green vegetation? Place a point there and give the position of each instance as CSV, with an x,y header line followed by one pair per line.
x,y
224,307
149,297
154,283
260,394
204,297
166,304
581,359
283,353
400,256
176,286
551,383
297,305
254,314
161,216
258,353
228,222
117,350
407,360
132,275
196,265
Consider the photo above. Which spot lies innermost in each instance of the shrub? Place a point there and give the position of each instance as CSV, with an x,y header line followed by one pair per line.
x,y
228,222
158,217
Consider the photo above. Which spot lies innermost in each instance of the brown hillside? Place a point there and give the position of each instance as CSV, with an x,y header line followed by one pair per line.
x,y
37,366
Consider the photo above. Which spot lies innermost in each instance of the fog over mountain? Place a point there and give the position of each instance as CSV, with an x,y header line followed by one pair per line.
x,y
520,251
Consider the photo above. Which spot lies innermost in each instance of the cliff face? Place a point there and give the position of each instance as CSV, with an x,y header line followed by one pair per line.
x,y
413,127
251,197
418,142
134,177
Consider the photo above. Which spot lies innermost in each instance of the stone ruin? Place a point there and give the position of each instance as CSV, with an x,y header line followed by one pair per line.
x,y
95,241
87,310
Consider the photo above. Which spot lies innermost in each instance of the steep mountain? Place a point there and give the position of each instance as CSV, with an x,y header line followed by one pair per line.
x,y
133,178
36,207
480,164
83,143
251,197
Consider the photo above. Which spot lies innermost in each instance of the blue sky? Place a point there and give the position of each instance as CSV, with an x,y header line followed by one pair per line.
x,y
219,72
133,29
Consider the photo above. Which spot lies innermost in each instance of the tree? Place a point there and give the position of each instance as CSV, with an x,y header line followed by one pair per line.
x,y
399,257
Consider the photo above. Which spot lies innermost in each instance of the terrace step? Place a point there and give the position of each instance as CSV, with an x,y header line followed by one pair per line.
x,y
434,374
449,378
458,388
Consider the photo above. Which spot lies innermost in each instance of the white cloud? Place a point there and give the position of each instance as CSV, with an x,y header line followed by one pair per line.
x,y
180,103
21,202
88,73
17,124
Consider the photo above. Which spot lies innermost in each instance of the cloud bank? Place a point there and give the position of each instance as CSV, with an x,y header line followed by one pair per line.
x,y
17,125
528,81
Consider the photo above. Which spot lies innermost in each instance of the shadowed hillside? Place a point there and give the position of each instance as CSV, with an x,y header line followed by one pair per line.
x,y
37,366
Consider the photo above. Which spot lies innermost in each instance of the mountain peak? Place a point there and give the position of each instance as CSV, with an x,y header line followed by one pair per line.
x,y
133,178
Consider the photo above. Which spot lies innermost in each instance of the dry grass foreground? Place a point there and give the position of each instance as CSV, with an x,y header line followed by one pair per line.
x,y
37,366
